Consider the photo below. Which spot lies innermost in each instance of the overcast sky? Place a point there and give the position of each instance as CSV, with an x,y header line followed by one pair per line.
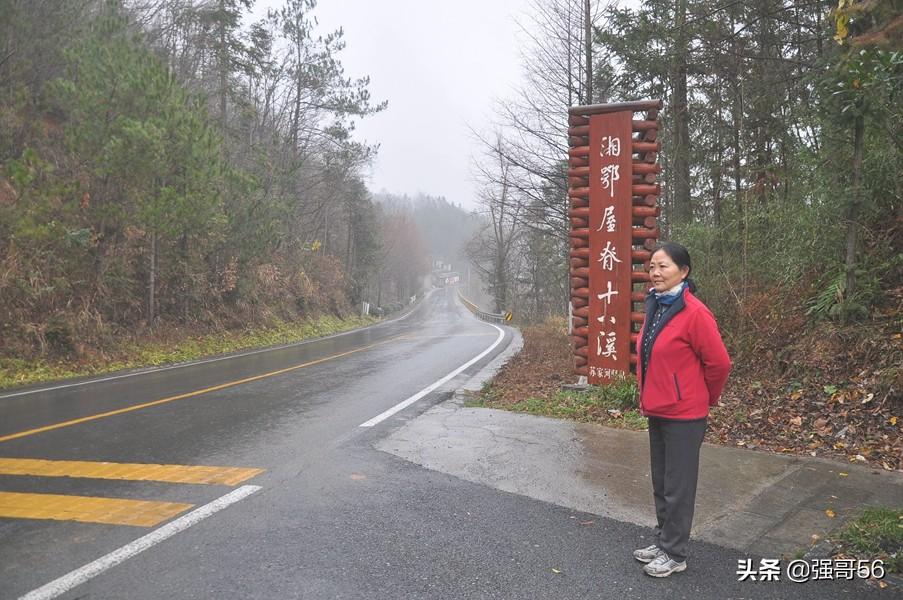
x,y
440,65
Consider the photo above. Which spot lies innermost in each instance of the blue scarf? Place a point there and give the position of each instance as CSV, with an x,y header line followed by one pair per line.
x,y
668,298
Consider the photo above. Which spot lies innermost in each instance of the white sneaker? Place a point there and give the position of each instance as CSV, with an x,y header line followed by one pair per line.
x,y
647,554
663,565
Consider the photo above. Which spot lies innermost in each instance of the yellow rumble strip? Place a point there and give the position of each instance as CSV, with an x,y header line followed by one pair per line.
x,y
86,509
127,471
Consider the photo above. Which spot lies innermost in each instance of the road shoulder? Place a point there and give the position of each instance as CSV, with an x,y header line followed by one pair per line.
x,y
760,503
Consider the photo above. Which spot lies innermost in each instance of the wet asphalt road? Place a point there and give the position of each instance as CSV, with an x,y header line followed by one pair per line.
x,y
334,518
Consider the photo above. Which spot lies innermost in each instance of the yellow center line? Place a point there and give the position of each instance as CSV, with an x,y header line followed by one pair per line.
x,y
88,509
127,471
222,386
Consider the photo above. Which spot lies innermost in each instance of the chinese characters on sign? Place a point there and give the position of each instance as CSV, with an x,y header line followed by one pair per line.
x,y
608,220
608,258
603,373
610,176
610,225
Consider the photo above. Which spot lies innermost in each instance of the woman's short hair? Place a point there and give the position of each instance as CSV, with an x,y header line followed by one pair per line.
x,y
681,257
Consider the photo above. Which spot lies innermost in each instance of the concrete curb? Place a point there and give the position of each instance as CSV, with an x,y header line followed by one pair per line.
x,y
476,382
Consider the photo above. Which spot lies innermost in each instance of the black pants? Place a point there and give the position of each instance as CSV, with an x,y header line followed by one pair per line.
x,y
674,450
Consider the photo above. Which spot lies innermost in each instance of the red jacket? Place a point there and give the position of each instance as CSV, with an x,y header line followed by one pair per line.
x,y
688,365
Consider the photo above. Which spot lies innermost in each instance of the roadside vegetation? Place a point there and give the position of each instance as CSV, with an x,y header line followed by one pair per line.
x,y
172,347
532,383
613,406
781,173
182,178
876,534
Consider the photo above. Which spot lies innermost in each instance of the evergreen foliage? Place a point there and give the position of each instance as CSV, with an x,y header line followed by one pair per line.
x,y
162,164
782,175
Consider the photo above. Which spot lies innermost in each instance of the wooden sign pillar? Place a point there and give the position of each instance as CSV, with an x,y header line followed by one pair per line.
x,y
613,197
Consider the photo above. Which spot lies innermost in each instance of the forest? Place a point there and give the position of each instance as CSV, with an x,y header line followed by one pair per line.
x,y
781,137
782,172
174,167
179,167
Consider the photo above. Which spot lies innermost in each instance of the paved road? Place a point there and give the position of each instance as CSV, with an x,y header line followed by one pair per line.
x,y
327,515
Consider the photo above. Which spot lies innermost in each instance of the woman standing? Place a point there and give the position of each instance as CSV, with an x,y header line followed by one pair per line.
x,y
682,369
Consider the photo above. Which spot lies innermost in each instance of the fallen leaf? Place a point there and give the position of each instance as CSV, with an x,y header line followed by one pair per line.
x,y
822,427
892,420
830,513
796,421
882,585
843,474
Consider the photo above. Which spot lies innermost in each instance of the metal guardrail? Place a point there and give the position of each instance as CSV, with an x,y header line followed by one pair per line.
x,y
483,315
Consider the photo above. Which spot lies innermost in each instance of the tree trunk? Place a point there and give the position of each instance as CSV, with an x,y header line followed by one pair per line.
x,y
379,289
186,277
854,205
223,73
683,212
152,280
325,228
739,193
588,40
501,287
716,197
296,117
349,247
717,174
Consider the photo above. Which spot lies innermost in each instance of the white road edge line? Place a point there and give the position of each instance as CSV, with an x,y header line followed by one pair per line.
x,y
79,576
406,403
204,361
